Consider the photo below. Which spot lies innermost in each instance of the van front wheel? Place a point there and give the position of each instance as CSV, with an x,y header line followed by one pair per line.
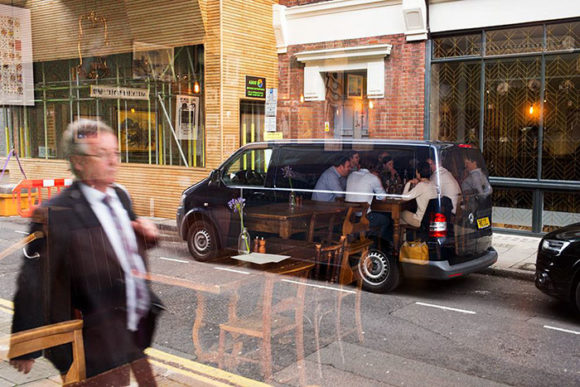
x,y
379,272
202,241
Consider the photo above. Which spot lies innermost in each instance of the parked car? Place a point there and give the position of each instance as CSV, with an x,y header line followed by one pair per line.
x,y
459,241
558,264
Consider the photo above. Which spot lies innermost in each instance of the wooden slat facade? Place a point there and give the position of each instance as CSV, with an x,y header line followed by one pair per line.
x,y
239,40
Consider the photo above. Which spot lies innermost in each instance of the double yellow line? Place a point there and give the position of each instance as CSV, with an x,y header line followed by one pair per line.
x,y
195,371
6,306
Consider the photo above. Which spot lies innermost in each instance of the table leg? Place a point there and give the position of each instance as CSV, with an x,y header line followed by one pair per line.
x,y
395,213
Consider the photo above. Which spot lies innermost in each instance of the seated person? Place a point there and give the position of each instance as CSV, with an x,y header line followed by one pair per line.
x,y
390,177
475,182
362,186
448,184
332,183
354,158
422,190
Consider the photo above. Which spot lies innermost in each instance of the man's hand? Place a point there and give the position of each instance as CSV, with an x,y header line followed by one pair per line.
x,y
23,366
146,228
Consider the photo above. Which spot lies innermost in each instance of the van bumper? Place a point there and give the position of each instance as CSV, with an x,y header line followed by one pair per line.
x,y
442,270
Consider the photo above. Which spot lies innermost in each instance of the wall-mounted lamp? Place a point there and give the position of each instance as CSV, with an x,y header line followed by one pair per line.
x,y
371,105
196,87
301,98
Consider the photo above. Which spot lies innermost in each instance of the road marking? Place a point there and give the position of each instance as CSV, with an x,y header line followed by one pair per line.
x,y
174,260
201,369
562,330
22,232
6,310
446,308
320,286
192,375
232,270
6,303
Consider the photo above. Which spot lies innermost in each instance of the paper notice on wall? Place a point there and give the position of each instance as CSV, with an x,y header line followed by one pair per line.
x,y
271,101
16,82
269,136
186,117
270,124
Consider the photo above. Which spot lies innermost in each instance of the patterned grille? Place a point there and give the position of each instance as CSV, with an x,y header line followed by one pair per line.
x,y
455,102
561,150
514,40
560,209
465,45
564,36
512,208
512,117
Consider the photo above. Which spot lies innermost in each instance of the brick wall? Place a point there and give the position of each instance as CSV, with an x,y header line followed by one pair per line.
x,y
398,115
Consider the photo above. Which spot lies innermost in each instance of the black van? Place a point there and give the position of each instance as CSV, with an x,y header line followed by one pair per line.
x,y
456,229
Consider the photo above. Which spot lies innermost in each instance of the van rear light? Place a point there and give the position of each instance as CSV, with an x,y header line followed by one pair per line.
x,y
438,225
469,146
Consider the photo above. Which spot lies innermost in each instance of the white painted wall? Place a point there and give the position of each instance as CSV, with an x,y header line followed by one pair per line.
x,y
352,19
341,20
463,14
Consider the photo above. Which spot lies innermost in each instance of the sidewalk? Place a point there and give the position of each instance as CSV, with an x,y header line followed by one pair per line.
x,y
169,369
516,253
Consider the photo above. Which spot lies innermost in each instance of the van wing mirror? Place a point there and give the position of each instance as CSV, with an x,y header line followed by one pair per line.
x,y
215,177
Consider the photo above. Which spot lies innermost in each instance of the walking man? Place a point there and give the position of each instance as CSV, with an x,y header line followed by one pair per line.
x,y
91,264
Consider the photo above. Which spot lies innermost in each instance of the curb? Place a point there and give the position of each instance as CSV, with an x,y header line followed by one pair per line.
x,y
522,275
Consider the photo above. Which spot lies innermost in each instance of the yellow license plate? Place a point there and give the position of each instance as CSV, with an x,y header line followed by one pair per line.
x,y
483,222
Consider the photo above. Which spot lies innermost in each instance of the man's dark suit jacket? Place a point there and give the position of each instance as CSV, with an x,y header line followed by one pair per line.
x,y
78,270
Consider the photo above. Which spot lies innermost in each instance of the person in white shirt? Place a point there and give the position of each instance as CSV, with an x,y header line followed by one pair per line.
x,y
475,182
364,185
449,186
422,190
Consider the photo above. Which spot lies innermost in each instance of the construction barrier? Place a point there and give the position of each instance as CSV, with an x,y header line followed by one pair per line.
x,y
28,194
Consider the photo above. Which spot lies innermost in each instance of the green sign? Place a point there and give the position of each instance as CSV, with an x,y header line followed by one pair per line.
x,y
255,87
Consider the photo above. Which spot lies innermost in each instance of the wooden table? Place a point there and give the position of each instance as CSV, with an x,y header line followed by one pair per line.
x,y
285,221
225,275
393,206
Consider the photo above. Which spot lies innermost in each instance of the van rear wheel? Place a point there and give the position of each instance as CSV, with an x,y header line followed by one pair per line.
x,y
379,272
202,241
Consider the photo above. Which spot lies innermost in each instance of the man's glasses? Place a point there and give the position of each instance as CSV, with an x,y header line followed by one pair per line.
x,y
105,155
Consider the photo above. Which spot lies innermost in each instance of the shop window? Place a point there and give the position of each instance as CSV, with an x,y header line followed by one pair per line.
x,y
561,146
252,117
512,117
464,45
562,36
514,40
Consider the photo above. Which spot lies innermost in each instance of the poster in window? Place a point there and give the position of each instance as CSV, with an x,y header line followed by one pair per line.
x,y
186,117
151,61
16,83
134,136
355,86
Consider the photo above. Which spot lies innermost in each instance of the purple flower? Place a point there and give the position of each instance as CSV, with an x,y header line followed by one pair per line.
x,y
288,172
237,204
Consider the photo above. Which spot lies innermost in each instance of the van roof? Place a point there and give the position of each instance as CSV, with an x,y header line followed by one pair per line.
x,y
362,142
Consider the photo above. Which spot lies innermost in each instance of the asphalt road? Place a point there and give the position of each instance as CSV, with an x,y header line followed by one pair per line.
x,y
477,330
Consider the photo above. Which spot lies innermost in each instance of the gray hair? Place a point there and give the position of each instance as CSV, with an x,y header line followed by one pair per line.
x,y
74,138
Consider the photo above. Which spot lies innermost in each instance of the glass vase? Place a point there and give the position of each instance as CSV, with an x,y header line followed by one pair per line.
x,y
244,242
292,199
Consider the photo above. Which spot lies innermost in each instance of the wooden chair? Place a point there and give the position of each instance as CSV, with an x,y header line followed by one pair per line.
x,y
331,257
336,259
356,242
49,336
269,320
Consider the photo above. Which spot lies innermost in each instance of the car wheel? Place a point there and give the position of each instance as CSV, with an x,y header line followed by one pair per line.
x,y
202,240
379,272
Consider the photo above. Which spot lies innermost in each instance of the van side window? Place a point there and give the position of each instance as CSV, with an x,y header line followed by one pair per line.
x,y
249,168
